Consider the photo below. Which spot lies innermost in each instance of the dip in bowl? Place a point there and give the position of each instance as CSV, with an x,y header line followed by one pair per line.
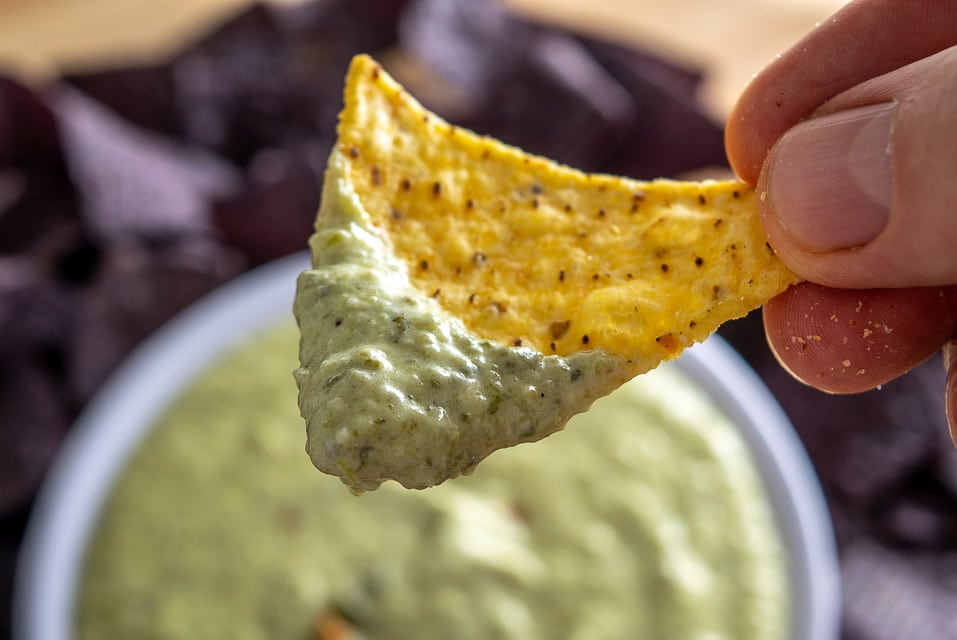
x,y
184,506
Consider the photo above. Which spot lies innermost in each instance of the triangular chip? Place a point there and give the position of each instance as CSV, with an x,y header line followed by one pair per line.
x,y
540,288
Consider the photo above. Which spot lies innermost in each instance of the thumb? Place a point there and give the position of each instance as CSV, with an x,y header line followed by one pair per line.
x,y
864,192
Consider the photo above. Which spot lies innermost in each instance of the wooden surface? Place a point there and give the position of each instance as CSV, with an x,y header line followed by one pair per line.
x,y
731,39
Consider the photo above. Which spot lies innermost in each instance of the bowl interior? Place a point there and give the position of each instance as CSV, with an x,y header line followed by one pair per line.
x,y
113,424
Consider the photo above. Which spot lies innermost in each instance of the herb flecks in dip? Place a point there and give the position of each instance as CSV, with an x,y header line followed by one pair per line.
x,y
393,387
643,519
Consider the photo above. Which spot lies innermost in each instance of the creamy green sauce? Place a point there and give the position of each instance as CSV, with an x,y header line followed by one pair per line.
x,y
393,387
644,519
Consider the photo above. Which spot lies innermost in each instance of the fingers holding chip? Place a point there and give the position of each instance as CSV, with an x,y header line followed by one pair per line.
x,y
467,296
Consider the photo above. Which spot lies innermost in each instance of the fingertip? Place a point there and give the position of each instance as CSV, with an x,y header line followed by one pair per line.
x,y
811,350
848,341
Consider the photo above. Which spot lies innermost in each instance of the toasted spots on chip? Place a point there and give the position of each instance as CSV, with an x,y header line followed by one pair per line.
x,y
529,252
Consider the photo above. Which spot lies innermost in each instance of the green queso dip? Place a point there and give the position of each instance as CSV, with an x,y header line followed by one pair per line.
x,y
644,519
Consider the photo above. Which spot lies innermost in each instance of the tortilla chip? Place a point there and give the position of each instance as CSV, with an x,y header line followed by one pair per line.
x,y
529,252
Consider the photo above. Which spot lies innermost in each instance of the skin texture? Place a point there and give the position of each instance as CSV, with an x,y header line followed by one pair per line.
x,y
872,233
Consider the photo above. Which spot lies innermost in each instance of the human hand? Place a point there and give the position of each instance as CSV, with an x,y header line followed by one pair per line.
x,y
851,140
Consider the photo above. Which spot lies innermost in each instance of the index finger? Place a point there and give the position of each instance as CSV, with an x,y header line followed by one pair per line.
x,y
865,39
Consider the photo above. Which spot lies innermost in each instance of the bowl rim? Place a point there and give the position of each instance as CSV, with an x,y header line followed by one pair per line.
x,y
114,422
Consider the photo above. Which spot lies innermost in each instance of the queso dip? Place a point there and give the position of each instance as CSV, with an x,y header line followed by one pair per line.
x,y
643,519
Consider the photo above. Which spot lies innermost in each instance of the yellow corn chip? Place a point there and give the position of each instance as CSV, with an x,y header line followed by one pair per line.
x,y
587,279
529,252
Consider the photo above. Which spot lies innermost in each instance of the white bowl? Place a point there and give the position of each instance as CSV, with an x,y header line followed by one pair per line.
x,y
113,424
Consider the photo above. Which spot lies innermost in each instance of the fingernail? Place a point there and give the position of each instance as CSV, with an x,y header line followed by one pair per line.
x,y
950,389
830,179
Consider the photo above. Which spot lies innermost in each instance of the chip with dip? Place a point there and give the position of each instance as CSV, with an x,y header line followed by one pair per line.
x,y
466,296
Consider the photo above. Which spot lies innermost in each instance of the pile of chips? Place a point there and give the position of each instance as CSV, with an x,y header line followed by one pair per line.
x,y
128,192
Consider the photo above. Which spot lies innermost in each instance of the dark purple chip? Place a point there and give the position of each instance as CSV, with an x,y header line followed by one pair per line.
x,y
38,211
27,127
142,95
945,464
521,82
890,596
9,541
137,288
36,322
36,197
32,423
594,105
342,27
133,183
681,81
35,318
322,36
672,135
921,512
558,103
236,90
273,215
36,312
467,43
